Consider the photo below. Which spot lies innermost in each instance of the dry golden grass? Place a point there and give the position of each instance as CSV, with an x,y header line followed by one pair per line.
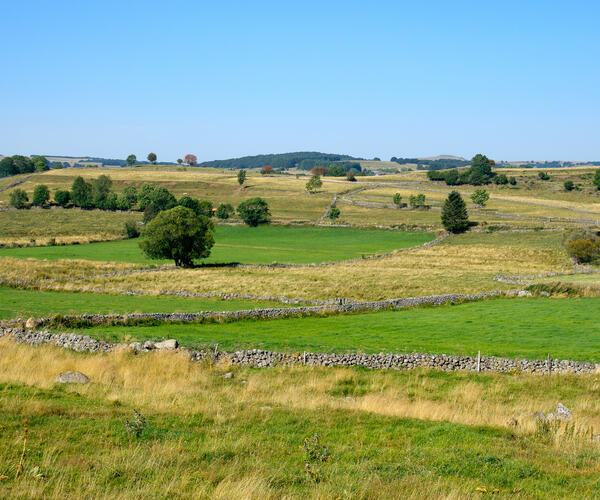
x,y
170,383
452,267
12,269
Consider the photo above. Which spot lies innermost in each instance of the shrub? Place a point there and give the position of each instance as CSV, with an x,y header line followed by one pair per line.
x,y
225,210
314,183
189,202
597,179
569,186
350,177
131,229
501,179
397,199
454,213
512,181
178,234
314,454
19,198
543,176
336,171
583,246
417,201
319,171
266,170
144,195
241,177
41,195
480,197
334,213
62,197
254,211
205,208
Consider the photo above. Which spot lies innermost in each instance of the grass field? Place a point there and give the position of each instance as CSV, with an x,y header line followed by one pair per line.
x,y
529,328
408,435
24,303
241,244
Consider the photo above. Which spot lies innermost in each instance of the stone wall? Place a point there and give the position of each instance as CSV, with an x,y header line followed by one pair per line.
x,y
265,359
269,313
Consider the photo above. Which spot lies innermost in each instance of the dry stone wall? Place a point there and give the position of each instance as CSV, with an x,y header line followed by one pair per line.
x,y
265,359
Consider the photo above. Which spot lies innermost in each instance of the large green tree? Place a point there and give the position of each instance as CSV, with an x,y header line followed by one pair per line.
x,y
81,193
454,213
101,192
178,234
131,159
152,157
481,170
254,211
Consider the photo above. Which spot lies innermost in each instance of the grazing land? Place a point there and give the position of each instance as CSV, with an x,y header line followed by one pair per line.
x,y
389,434
240,244
526,328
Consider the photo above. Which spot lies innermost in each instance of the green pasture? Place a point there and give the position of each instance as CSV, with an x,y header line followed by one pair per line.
x,y
242,244
530,328
24,303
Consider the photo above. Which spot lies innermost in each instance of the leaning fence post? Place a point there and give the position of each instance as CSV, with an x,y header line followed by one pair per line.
x,y
478,361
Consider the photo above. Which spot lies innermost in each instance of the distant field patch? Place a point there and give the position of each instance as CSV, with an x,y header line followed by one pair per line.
x,y
531,328
263,245
24,303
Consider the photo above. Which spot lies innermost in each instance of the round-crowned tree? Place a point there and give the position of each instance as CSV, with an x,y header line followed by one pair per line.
x,y
41,195
454,213
19,198
254,211
178,234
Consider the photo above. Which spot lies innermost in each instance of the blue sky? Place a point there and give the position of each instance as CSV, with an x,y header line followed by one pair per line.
x,y
513,80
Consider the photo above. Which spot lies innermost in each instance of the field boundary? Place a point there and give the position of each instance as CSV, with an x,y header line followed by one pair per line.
x,y
267,359
88,320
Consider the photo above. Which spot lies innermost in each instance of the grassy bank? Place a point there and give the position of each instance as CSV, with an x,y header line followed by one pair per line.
x,y
530,328
408,435
262,245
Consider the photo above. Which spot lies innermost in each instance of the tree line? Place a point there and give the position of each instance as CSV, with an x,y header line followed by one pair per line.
x,y
304,160
17,164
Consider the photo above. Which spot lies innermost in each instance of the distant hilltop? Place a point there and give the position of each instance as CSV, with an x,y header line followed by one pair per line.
x,y
443,157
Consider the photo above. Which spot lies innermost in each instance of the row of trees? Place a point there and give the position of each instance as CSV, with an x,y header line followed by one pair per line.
x,y
190,159
480,172
414,201
17,164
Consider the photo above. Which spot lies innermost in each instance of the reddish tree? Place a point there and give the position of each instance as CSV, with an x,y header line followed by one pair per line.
x,y
267,169
191,159
320,171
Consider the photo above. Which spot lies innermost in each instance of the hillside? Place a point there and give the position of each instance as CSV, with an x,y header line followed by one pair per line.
x,y
304,160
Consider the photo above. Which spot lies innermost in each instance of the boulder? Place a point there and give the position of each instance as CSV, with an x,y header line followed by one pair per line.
x,y
166,345
228,375
72,378
525,293
562,412
136,346
148,345
31,323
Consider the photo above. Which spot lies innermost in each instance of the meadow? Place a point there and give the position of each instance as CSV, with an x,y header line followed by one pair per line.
x,y
526,328
389,434
241,244
15,303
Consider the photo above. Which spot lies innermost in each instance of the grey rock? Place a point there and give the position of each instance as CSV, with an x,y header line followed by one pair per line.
x,y
148,345
524,293
562,412
136,347
31,323
72,378
228,375
166,345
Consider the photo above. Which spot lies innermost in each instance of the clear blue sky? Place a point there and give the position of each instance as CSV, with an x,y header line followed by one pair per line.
x,y
516,80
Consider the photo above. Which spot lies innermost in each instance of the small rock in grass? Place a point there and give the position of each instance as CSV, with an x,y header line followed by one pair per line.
x,y
31,323
136,347
525,293
266,408
166,345
349,399
228,375
563,412
72,378
148,345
